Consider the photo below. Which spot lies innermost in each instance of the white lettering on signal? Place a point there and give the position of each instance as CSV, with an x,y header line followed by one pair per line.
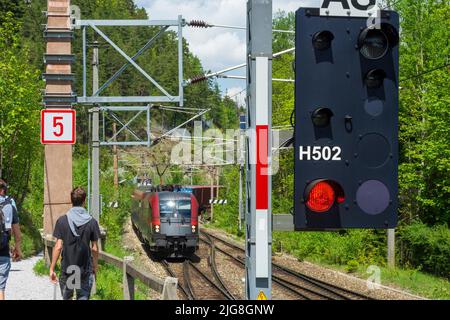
x,y
320,153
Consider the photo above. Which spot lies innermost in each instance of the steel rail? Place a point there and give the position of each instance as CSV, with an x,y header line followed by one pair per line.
x,y
298,275
281,283
211,282
322,284
319,283
216,272
173,275
187,280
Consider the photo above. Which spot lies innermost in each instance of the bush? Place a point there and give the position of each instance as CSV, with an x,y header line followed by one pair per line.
x,y
362,247
426,247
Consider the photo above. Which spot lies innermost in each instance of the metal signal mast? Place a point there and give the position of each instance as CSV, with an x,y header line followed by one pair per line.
x,y
259,146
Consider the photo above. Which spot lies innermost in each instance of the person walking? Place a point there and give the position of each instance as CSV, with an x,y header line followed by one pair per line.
x,y
77,235
9,224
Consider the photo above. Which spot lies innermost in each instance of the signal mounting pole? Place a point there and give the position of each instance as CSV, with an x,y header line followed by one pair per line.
x,y
95,201
259,183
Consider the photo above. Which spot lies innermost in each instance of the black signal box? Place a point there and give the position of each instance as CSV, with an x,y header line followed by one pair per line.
x,y
346,116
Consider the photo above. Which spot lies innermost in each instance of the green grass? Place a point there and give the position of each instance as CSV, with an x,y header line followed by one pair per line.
x,y
413,281
417,282
40,269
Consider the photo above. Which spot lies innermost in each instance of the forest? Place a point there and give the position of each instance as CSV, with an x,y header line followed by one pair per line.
x,y
423,236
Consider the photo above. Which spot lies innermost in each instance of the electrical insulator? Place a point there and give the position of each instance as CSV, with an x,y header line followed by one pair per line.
x,y
199,24
198,79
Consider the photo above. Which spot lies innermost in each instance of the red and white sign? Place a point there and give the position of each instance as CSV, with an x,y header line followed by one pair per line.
x,y
58,126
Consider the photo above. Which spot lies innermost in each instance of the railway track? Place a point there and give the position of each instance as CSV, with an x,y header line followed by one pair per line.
x,y
181,286
195,283
303,286
212,262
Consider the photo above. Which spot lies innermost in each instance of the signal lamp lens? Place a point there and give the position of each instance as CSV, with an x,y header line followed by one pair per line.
x,y
322,40
321,197
375,78
322,117
373,44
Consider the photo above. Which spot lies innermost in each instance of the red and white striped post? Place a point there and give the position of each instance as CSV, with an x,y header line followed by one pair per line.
x,y
259,108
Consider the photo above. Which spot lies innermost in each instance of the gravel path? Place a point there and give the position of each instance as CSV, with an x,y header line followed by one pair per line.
x,y
24,284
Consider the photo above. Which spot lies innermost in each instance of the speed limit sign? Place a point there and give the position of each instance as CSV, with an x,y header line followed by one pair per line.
x,y
58,126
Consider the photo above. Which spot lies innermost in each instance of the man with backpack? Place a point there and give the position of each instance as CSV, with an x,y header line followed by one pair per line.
x,y
77,235
9,224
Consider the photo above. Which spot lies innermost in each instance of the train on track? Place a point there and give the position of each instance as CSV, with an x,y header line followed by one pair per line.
x,y
166,221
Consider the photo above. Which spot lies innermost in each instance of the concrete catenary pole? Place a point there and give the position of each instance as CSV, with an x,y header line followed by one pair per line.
x,y
241,172
391,248
259,124
116,162
95,201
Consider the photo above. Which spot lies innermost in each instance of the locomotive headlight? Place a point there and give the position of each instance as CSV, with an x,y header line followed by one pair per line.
x,y
157,229
194,228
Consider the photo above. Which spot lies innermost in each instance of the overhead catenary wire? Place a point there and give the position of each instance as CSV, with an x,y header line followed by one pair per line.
x,y
390,5
242,65
245,78
205,25
237,94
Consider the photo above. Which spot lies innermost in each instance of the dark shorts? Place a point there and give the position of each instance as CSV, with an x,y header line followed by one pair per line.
x,y
69,286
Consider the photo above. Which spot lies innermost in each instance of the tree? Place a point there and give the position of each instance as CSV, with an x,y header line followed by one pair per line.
x,y
424,112
20,103
15,7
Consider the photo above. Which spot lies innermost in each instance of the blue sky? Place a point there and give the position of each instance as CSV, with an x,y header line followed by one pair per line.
x,y
216,48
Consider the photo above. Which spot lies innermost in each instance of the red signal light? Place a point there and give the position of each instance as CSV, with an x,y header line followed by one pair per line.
x,y
323,194
321,197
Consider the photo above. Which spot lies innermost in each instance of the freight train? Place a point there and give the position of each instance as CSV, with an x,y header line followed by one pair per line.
x,y
166,221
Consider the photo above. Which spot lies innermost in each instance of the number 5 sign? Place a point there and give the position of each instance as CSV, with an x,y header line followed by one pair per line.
x,y
58,126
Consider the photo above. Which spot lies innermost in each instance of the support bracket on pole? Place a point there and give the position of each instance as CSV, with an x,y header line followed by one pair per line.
x,y
163,26
110,113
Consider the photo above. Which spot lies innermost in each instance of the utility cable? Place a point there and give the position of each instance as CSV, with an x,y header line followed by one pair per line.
x,y
426,72
205,25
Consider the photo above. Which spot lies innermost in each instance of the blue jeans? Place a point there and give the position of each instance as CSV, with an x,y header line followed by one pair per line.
x,y
83,292
5,266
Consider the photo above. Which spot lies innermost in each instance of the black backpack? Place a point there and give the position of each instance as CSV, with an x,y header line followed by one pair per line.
x,y
4,234
77,253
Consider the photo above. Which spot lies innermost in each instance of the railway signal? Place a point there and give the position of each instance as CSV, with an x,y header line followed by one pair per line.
x,y
346,134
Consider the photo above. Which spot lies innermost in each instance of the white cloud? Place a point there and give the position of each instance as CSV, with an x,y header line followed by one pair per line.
x,y
216,48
